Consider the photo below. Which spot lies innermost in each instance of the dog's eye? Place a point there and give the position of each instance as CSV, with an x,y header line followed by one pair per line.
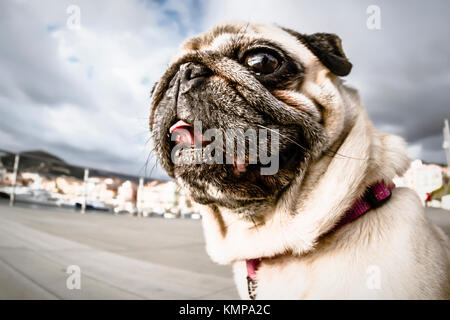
x,y
261,62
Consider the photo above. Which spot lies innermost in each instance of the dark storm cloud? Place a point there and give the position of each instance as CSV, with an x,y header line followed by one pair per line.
x,y
406,65
30,63
79,94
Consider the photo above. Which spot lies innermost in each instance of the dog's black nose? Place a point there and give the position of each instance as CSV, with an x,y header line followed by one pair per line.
x,y
193,73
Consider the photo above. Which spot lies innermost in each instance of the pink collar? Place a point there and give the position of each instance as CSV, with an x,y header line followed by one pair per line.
x,y
373,198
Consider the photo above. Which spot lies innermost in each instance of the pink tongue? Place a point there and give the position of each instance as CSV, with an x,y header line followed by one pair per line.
x,y
178,125
184,132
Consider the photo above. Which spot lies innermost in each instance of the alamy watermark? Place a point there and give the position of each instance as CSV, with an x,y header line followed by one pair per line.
x,y
73,281
231,146
373,21
373,280
74,20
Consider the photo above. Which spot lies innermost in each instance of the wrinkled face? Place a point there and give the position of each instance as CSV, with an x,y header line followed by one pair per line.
x,y
229,120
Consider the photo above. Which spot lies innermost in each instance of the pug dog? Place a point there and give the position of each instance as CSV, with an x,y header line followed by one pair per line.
x,y
319,218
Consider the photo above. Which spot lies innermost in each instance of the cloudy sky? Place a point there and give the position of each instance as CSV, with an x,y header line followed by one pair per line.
x,y
83,93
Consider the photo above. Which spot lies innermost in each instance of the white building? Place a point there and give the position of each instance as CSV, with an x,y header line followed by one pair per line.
x,y
423,178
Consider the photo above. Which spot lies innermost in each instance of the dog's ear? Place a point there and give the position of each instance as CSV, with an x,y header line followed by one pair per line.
x,y
328,48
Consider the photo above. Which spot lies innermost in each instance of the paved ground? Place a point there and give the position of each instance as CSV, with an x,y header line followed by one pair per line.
x,y
120,257
441,218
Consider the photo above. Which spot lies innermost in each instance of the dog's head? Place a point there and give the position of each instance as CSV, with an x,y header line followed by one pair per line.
x,y
244,109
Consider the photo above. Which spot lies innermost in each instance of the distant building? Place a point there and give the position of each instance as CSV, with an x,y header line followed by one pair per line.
x,y
423,178
127,192
160,197
41,173
69,186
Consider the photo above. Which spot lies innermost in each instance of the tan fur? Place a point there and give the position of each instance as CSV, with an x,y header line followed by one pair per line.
x,y
397,239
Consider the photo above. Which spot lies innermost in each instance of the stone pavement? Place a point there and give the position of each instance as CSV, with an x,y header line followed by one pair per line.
x,y
120,257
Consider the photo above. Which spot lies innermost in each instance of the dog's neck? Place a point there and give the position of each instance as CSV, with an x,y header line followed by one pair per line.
x,y
313,205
